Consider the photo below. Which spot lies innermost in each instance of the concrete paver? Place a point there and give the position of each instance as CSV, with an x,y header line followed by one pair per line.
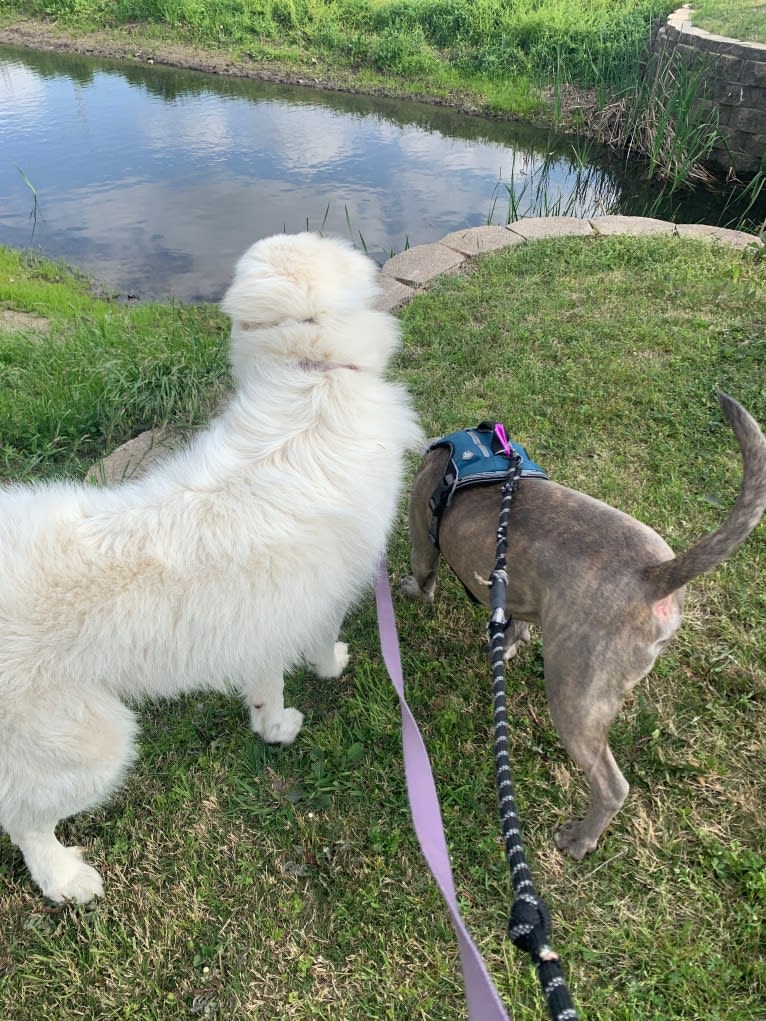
x,y
133,458
416,266
477,240
393,293
735,238
607,225
538,227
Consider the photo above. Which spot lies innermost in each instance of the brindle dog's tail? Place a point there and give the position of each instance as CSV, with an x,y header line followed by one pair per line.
x,y
671,575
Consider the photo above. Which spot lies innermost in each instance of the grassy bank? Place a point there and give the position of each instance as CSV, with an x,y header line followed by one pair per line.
x,y
497,57
245,881
94,372
447,42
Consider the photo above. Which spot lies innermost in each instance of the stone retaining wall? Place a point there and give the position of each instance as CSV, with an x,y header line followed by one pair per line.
x,y
736,88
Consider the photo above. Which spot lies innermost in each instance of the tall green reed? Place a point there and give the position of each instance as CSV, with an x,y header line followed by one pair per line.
x,y
668,121
35,211
531,189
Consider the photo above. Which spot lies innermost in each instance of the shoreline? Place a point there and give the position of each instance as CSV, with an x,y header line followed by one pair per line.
x,y
121,44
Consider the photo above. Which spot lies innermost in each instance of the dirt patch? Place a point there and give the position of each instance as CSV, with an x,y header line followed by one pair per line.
x,y
120,45
126,44
11,320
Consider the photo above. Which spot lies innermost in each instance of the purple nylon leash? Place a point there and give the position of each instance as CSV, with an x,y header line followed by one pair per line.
x,y
482,998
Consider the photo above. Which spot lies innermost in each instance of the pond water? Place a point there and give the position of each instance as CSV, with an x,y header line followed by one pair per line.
x,y
155,180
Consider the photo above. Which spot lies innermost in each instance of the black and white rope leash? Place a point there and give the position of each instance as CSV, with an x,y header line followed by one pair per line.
x,y
529,926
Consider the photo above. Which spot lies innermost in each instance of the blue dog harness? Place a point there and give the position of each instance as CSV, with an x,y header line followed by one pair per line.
x,y
476,458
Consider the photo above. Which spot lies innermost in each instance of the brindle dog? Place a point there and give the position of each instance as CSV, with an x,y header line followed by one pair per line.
x,y
606,590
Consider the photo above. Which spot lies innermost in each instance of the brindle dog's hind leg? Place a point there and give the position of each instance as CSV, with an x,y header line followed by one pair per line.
x,y
583,721
424,556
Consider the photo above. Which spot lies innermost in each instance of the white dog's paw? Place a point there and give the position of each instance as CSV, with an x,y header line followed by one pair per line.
x,y
74,879
335,663
340,657
277,728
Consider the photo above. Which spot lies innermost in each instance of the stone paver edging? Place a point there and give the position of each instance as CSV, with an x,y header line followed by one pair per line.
x,y
404,274
408,272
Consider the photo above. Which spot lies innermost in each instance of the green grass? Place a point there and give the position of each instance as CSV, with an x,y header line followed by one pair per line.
x,y
737,19
245,881
104,373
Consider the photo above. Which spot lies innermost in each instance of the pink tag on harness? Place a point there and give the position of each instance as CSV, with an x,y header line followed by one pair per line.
x,y
501,435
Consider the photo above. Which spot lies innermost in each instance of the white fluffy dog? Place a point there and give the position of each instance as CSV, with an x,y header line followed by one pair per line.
x,y
229,563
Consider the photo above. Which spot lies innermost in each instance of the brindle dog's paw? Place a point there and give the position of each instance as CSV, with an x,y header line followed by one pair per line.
x,y
571,839
516,636
411,589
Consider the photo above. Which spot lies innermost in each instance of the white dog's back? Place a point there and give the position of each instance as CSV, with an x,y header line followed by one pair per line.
x,y
233,560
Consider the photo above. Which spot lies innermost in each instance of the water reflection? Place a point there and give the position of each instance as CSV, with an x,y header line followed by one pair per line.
x,y
155,179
